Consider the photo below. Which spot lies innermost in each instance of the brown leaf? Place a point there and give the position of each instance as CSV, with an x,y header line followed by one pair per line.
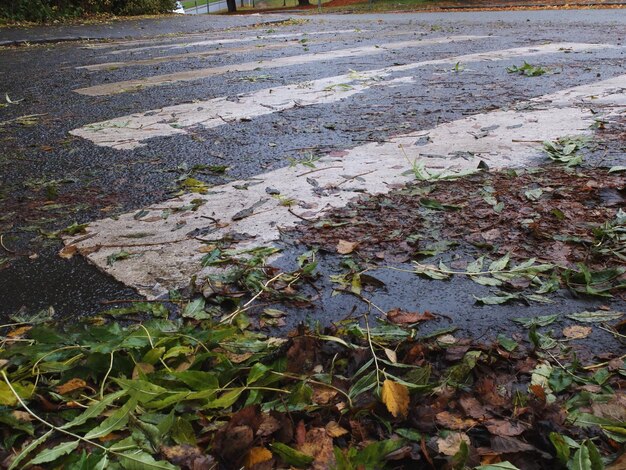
x,y
70,386
67,252
472,407
323,395
269,425
142,368
19,332
345,247
452,443
319,445
257,455
576,331
396,398
450,421
399,316
334,430
501,427
188,456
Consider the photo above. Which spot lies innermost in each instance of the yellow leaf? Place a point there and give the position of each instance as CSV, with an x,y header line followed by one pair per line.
x,y
395,396
334,430
257,455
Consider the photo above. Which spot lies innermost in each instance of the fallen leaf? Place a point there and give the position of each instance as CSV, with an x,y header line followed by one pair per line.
x,y
67,252
141,368
395,396
19,332
450,421
269,425
188,456
501,427
319,445
257,455
576,331
345,247
334,430
399,316
70,386
323,395
451,444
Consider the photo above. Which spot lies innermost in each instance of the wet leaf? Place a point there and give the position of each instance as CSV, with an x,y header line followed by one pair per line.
x,y
399,316
345,247
576,331
544,320
597,316
195,310
396,398
498,466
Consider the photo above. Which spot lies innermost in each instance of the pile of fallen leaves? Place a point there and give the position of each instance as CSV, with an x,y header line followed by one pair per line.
x,y
364,394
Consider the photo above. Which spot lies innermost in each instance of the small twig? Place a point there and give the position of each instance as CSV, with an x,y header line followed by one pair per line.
x,y
318,169
231,317
355,177
298,216
119,301
369,340
106,376
3,246
367,301
602,364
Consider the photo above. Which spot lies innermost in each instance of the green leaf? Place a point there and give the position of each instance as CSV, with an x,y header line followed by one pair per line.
x,y
410,434
195,310
116,421
94,410
475,266
500,264
257,371
291,456
140,460
597,316
615,169
581,460
498,466
594,456
561,447
507,343
50,455
29,448
497,299
226,400
533,194
486,281
544,320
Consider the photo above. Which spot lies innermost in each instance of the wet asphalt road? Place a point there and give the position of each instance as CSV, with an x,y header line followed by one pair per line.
x,y
50,179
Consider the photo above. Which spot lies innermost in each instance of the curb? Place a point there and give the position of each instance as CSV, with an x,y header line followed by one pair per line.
x,y
24,42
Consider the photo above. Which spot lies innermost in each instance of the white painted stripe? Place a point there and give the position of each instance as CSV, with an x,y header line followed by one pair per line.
x,y
216,42
168,256
129,132
189,55
197,74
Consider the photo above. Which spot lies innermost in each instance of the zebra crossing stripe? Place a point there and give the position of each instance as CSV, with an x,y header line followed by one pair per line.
x,y
173,236
191,75
219,41
189,55
132,131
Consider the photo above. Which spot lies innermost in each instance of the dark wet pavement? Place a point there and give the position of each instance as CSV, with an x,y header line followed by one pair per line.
x,y
50,179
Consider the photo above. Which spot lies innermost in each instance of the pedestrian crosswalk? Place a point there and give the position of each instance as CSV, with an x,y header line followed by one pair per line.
x,y
170,249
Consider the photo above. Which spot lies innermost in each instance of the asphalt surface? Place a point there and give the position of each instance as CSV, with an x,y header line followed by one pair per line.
x,y
50,179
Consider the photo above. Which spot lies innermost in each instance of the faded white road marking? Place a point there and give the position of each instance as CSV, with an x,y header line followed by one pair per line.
x,y
215,42
190,55
191,75
131,131
169,255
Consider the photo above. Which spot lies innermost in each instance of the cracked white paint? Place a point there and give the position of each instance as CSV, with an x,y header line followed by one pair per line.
x,y
219,41
189,55
170,251
129,132
302,59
